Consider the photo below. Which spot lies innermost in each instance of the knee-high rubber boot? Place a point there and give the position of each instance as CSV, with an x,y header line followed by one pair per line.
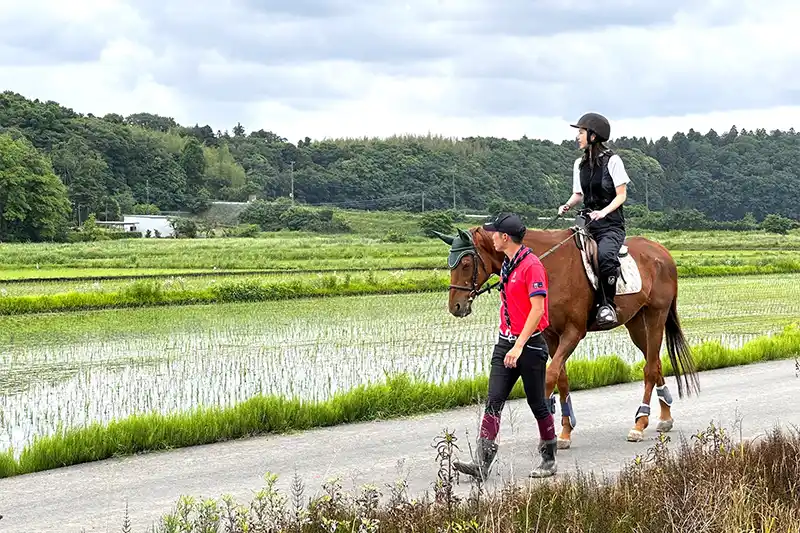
x,y
484,459
547,467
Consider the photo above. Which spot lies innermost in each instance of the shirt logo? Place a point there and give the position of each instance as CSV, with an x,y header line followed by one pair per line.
x,y
538,284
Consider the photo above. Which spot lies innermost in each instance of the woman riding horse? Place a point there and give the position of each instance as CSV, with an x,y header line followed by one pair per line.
x,y
600,179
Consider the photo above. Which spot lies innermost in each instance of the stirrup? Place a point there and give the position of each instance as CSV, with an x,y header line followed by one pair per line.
x,y
606,315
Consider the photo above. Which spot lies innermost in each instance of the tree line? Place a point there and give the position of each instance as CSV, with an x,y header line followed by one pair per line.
x,y
80,164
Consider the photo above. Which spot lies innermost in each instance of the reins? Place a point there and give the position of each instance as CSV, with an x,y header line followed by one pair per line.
x,y
475,293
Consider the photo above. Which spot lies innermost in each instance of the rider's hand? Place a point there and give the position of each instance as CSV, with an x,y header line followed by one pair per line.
x,y
563,209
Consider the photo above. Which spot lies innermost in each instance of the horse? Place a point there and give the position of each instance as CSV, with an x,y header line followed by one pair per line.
x,y
649,311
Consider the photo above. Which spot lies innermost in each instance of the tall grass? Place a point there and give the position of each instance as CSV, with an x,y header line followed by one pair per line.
x,y
710,484
143,293
399,395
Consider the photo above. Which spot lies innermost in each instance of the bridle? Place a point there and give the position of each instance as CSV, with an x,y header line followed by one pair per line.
x,y
474,292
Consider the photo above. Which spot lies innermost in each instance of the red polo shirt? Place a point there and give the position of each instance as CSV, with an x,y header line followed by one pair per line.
x,y
527,280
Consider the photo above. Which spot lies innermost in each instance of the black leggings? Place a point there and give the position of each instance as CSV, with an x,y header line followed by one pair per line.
x,y
609,240
531,366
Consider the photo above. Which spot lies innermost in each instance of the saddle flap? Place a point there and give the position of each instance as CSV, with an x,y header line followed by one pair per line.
x,y
591,249
588,248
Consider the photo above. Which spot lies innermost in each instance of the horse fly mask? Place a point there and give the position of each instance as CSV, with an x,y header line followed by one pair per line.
x,y
462,245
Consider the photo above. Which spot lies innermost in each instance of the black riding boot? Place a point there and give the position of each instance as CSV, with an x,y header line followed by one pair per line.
x,y
607,313
484,455
547,467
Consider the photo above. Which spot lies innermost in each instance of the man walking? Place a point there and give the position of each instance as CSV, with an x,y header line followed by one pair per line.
x,y
520,351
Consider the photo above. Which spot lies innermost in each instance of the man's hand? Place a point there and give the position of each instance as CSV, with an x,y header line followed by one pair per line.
x,y
563,209
511,357
597,215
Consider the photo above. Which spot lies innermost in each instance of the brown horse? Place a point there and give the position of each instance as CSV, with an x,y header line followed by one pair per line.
x,y
647,314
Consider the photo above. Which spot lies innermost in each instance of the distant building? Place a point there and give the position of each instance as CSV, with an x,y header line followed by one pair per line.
x,y
148,222
117,225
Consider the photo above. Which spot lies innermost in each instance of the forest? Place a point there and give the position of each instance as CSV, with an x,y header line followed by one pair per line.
x,y
59,165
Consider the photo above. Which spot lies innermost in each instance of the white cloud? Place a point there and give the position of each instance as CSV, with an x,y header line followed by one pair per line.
x,y
345,68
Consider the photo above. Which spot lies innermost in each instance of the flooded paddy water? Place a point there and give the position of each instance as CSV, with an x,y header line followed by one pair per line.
x,y
74,368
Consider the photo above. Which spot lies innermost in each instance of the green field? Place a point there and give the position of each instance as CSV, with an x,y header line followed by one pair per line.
x,y
247,341
76,368
383,257
288,250
17,282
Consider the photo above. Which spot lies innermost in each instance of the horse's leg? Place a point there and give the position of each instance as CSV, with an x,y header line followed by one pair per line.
x,y
647,331
567,413
557,375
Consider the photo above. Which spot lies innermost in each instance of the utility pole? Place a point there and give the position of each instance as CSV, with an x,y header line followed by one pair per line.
x,y
292,180
454,191
148,190
423,201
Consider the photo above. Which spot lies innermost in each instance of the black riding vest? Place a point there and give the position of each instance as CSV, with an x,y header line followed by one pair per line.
x,y
598,188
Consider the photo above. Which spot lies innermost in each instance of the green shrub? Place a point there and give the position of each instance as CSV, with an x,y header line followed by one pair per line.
x,y
441,221
777,224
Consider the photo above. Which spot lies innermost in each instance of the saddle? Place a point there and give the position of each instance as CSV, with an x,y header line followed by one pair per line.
x,y
629,279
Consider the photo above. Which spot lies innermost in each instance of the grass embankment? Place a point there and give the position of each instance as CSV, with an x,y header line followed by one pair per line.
x,y
711,484
45,297
145,293
398,396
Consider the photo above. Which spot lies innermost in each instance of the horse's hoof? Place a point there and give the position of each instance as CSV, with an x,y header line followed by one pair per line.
x,y
635,435
564,444
664,426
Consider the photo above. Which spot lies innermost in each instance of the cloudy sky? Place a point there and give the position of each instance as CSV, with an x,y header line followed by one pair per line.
x,y
333,68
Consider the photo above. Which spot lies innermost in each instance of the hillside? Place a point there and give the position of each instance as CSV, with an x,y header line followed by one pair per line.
x,y
110,164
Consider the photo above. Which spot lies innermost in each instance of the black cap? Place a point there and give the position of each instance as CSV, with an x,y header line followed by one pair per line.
x,y
507,223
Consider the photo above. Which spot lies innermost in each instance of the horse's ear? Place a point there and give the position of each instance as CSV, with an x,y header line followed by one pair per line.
x,y
446,238
465,235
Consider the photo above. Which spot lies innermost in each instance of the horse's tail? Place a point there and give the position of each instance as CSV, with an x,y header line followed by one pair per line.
x,y
680,354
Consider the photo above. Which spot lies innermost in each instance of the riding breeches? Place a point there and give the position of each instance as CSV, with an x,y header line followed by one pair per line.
x,y
609,241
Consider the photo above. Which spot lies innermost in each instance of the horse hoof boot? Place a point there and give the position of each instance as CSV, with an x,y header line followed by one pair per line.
x,y
564,444
664,426
635,435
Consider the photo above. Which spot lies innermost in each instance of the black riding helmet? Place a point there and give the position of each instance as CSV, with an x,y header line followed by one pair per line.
x,y
595,123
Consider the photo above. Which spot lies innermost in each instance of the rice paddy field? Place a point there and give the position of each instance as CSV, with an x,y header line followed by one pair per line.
x,y
62,371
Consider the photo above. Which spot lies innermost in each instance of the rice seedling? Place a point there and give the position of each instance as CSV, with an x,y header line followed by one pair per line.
x,y
64,371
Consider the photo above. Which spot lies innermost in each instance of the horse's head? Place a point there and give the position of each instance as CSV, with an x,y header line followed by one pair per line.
x,y
470,266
